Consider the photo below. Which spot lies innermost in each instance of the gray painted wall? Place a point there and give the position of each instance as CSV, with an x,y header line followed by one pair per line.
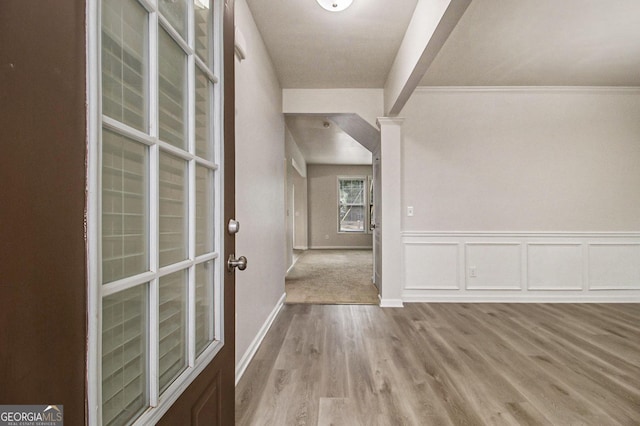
x,y
518,160
300,212
260,195
296,203
323,207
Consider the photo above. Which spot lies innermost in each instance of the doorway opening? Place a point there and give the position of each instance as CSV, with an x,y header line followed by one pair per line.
x,y
329,213
332,277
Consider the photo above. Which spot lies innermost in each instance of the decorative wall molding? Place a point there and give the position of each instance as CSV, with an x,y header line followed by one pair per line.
x,y
257,341
613,266
532,234
521,266
444,268
341,248
563,259
499,263
445,297
530,89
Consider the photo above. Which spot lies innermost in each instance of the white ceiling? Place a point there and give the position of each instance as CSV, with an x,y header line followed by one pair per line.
x,y
542,43
325,145
496,43
314,48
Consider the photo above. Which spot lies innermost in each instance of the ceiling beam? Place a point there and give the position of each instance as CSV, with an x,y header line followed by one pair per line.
x,y
359,129
367,103
431,24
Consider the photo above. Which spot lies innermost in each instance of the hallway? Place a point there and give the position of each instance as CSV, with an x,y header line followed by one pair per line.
x,y
332,277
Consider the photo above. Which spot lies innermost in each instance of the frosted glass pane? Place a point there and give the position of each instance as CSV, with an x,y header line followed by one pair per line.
x,y
204,210
172,312
124,207
172,92
204,305
176,13
203,139
124,355
124,62
202,16
173,209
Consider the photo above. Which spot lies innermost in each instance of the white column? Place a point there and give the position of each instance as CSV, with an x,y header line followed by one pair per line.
x,y
391,210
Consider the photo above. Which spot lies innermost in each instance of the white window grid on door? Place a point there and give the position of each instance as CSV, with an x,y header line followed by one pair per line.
x,y
157,400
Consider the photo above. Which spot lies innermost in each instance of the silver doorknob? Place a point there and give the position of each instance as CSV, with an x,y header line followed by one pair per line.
x,y
240,263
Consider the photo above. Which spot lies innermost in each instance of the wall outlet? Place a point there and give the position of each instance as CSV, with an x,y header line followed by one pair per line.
x,y
472,272
326,237
410,211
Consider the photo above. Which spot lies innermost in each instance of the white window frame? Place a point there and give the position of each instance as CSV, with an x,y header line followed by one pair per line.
x,y
365,205
158,404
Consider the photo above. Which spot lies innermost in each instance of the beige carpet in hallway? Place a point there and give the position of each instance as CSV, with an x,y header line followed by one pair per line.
x,y
332,277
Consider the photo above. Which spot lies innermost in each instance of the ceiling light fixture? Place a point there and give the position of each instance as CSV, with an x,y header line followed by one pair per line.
x,y
334,5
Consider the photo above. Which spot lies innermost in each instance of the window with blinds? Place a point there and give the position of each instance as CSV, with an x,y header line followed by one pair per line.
x,y
204,210
173,209
172,82
204,305
124,62
203,101
124,207
159,200
172,352
124,355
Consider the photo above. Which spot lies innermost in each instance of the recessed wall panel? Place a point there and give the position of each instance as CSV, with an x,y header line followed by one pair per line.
x,y
431,266
554,266
614,266
493,266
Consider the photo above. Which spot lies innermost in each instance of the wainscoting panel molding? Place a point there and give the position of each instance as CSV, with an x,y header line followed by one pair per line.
x,y
521,267
614,266
493,266
441,272
555,266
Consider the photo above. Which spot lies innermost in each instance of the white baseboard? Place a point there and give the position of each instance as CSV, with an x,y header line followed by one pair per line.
x,y
342,248
293,263
483,298
391,303
290,267
257,341
301,248
295,260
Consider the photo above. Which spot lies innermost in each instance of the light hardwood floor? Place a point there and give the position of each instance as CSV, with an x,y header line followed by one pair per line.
x,y
446,364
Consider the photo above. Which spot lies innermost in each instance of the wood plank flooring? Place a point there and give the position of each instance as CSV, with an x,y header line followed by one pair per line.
x,y
446,364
